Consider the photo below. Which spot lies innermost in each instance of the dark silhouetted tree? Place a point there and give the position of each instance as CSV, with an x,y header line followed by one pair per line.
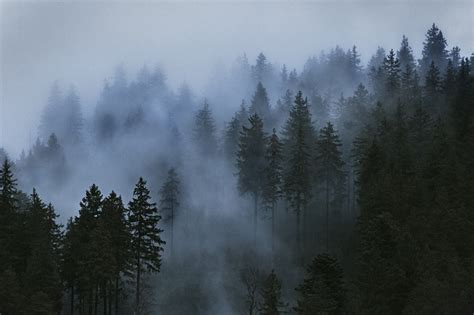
x,y
146,242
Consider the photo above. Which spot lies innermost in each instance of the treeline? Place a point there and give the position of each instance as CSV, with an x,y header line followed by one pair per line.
x,y
371,193
46,269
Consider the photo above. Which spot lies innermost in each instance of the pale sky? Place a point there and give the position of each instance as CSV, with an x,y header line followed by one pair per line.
x,y
80,43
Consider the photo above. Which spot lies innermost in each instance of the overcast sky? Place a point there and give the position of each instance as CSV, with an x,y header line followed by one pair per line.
x,y
80,43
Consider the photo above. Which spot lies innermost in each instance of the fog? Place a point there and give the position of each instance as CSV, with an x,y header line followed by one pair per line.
x,y
107,92
80,43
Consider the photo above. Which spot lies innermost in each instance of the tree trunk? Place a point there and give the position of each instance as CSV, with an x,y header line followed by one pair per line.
x,y
110,297
273,229
298,224
327,214
255,214
172,228
137,303
116,294
72,300
105,297
96,299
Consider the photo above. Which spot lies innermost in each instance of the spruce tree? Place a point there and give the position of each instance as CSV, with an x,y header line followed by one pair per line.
x,y
272,303
392,73
10,226
322,291
44,290
273,177
251,163
87,258
115,224
169,200
298,135
405,55
204,131
232,132
146,242
260,105
329,168
434,50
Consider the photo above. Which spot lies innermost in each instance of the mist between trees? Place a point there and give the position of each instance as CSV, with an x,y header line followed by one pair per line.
x,y
339,188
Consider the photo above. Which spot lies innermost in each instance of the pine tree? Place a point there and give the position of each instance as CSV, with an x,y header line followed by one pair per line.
x,y
322,291
434,50
8,214
251,163
329,168
42,270
87,258
232,132
11,295
432,88
260,104
298,135
169,202
73,120
271,295
273,177
262,69
392,73
116,226
354,62
204,131
69,263
405,55
146,242
51,115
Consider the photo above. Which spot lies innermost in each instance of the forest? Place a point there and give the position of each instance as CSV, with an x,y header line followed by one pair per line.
x,y
338,188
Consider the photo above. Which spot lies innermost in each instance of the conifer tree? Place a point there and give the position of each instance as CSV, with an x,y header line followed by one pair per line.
x,y
260,104
251,163
434,50
329,168
204,131
322,291
9,220
392,73
273,177
169,201
146,242
42,271
87,258
405,55
271,295
298,136
232,132
116,226
432,88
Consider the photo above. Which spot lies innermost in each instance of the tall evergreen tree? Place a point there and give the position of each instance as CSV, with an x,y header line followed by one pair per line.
x,y
434,50
251,163
116,225
204,131
169,201
298,135
232,132
146,242
322,291
271,295
87,258
273,177
405,55
392,73
44,290
260,104
329,168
